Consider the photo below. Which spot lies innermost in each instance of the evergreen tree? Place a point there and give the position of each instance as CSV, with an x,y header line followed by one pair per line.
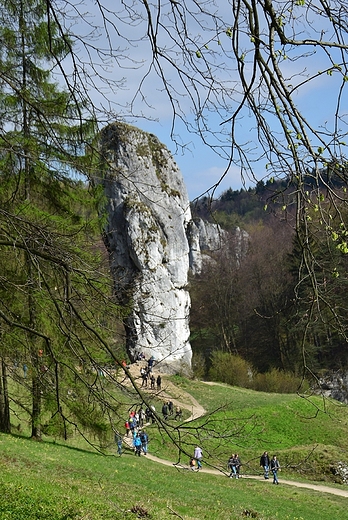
x,y
55,290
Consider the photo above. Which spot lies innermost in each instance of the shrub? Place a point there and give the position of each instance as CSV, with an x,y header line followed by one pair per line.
x,y
277,381
231,369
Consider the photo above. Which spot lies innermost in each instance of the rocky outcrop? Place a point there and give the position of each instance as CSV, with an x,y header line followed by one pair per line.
x,y
334,385
207,238
152,243
203,236
148,216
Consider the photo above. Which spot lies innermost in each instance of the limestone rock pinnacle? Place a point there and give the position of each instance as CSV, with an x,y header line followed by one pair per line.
x,y
148,215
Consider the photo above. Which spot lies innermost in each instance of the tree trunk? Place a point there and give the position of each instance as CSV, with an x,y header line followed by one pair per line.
x,y
5,423
36,408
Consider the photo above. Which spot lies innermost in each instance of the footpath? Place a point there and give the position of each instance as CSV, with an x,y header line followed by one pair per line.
x,y
188,402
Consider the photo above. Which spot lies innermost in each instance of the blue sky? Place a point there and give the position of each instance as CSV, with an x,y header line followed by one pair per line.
x,y
200,166
152,111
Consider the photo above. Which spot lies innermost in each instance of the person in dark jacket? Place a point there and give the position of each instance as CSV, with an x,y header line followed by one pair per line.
x,y
264,463
165,411
232,464
159,382
275,467
144,441
239,463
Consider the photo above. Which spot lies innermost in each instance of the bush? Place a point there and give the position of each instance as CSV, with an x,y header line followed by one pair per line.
x,y
279,382
234,370
231,369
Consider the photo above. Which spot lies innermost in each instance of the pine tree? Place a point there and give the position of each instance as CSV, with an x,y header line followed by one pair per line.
x,y
52,275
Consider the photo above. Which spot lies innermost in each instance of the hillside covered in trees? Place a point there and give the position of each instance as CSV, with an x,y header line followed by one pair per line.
x,y
268,308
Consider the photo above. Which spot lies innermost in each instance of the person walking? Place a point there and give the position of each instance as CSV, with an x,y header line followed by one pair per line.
x,y
275,467
142,417
118,440
137,445
143,376
152,410
264,463
232,465
238,465
198,454
159,382
150,364
144,441
178,413
165,411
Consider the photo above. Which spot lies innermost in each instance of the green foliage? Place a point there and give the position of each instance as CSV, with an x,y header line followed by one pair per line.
x,y
235,371
57,314
198,365
229,368
279,382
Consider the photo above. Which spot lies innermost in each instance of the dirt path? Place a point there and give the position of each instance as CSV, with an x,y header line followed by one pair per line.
x,y
185,400
169,391
315,487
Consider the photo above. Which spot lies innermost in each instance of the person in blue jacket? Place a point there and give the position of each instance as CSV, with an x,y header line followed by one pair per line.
x,y
137,445
144,441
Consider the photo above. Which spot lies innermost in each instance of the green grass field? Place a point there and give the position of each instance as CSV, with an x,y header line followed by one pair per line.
x,y
49,480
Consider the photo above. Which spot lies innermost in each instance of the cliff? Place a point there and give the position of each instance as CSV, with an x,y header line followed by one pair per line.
x,y
152,243
148,215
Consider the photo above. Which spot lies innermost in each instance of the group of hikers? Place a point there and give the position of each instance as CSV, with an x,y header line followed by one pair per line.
x,y
135,426
168,410
268,465
140,440
136,422
147,375
234,464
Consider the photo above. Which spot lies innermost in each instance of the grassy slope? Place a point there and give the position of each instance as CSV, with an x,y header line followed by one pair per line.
x,y
288,425
47,481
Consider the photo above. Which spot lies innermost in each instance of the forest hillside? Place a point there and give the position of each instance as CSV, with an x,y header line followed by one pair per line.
x,y
276,308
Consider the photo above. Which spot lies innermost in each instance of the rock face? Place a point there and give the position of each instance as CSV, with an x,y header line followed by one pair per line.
x,y
148,216
203,236
334,385
206,237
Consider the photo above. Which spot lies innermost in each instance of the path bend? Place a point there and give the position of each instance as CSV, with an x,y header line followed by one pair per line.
x,y
187,401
